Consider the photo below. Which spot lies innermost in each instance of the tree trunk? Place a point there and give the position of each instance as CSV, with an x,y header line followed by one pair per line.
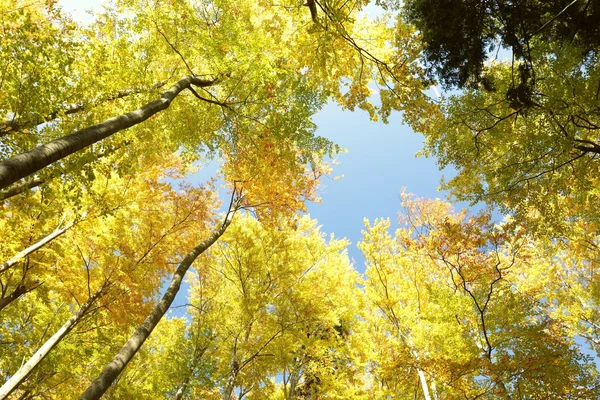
x,y
20,187
424,384
39,355
130,348
18,292
57,232
422,377
25,164
14,125
182,389
32,182
184,385
230,385
294,379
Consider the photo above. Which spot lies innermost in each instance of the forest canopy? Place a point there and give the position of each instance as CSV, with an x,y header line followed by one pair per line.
x,y
103,124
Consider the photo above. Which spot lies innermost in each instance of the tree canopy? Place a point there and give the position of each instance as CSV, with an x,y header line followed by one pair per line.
x,y
102,125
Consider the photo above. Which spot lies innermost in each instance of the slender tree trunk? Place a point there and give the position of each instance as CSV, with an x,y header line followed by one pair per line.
x,y
434,390
43,351
18,292
230,385
294,378
14,125
422,378
424,384
25,164
184,385
57,232
182,389
130,348
32,182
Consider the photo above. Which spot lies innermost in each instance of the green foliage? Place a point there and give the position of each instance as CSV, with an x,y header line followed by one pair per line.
x,y
456,299
538,163
452,305
461,34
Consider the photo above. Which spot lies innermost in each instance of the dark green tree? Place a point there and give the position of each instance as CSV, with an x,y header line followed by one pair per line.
x,y
462,34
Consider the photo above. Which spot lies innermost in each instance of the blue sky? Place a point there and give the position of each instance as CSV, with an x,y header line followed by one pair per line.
x,y
380,162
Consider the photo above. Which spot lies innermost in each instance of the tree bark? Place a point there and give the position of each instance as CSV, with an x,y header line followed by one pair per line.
x,y
18,292
231,378
20,187
27,163
57,232
130,348
32,182
43,351
424,384
14,125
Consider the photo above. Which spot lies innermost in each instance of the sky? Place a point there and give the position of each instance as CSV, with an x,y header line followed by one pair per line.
x,y
380,161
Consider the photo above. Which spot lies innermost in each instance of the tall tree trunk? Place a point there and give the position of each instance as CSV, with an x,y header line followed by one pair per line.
x,y
421,374
43,351
32,181
20,187
182,388
294,379
14,125
231,379
424,384
27,163
130,348
57,232
18,292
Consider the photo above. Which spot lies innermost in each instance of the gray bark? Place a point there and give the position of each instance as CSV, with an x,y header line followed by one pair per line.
x,y
19,376
20,187
14,125
57,232
230,384
27,163
130,348
33,182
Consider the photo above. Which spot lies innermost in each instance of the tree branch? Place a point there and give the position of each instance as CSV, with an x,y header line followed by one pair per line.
x,y
27,163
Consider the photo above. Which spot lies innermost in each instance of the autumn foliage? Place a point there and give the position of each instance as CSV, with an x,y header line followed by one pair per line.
x,y
106,127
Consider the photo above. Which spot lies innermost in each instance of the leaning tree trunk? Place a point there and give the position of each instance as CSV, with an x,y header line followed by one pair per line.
x,y
14,125
41,243
33,181
130,348
43,351
34,160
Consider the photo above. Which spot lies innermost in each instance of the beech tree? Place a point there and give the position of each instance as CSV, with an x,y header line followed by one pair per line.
x,y
538,163
101,127
522,131
247,97
458,311
105,273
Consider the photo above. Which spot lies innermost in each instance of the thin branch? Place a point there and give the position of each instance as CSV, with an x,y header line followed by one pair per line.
x,y
553,18
56,233
191,89
174,49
